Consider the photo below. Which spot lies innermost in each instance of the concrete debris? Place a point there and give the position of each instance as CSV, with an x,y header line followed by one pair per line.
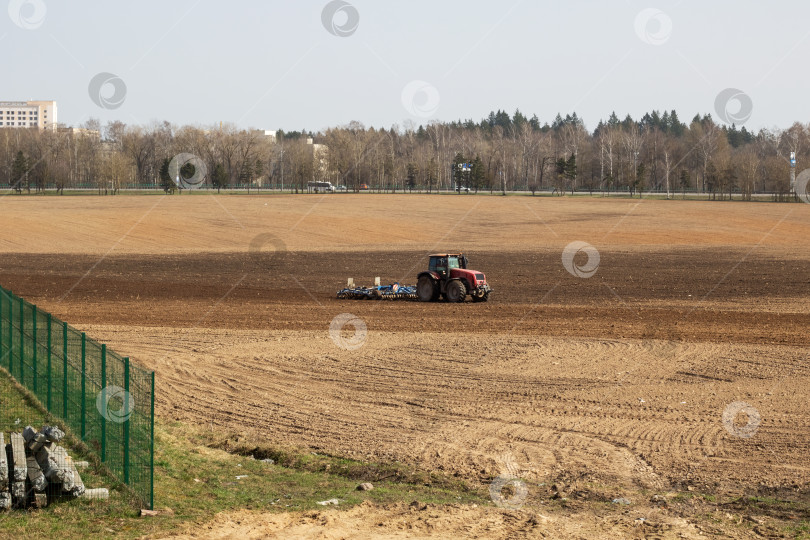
x,y
38,500
33,467
96,494
35,477
159,512
53,433
329,502
621,500
17,465
365,486
3,467
28,434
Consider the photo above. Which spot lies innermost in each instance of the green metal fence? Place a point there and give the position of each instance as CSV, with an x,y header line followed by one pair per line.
x,y
104,399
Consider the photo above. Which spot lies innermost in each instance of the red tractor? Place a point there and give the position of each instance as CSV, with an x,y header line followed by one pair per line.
x,y
448,276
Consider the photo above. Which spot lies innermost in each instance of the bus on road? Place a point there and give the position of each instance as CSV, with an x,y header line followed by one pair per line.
x,y
320,187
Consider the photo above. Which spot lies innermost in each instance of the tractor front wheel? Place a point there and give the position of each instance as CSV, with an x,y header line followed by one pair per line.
x,y
427,289
483,298
456,291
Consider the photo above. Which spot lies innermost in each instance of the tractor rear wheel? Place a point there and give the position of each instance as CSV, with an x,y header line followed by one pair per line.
x,y
427,289
456,291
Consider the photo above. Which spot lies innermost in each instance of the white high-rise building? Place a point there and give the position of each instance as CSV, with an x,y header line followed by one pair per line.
x,y
19,114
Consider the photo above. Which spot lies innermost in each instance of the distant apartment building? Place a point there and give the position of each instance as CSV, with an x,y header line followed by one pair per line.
x,y
28,114
80,132
320,153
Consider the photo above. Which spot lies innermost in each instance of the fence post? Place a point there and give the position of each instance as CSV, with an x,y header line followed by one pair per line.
x,y
10,334
84,395
152,448
22,343
2,319
2,335
49,362
104,400
126,422
65,370
34,352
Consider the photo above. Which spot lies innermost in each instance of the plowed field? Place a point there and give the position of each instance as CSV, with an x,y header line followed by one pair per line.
x,y
608,385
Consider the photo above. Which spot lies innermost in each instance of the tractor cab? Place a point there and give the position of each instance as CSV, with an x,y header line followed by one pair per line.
x,y
442,264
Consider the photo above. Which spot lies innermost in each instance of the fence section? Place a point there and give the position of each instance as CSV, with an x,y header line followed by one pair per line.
x,y
104,399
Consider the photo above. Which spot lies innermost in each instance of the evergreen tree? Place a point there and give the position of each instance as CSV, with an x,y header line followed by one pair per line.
x,y
655,120
219,178
19,172
492,119
166,181
677,127
246,174
734,137
599,128
628,122
559,168
502,119
712,180
187,171
258,167
638,181
570,170
478,174
518,119
413,172
646,122
432,175
684,180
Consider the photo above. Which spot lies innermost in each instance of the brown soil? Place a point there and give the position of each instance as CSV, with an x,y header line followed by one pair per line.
x,y
612,386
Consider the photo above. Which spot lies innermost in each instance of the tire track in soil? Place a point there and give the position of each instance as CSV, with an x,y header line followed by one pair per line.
x,y
391,400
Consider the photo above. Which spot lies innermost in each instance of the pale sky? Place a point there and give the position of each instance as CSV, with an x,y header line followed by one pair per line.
x,y
271,65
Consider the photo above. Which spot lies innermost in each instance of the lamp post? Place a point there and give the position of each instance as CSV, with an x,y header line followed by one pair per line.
x,y
793,174
282,168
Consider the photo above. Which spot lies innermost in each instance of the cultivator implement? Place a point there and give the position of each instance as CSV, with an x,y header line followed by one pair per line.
x,y
378,292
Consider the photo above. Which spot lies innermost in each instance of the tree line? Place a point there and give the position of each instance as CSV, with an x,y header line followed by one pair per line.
x,y
501,152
